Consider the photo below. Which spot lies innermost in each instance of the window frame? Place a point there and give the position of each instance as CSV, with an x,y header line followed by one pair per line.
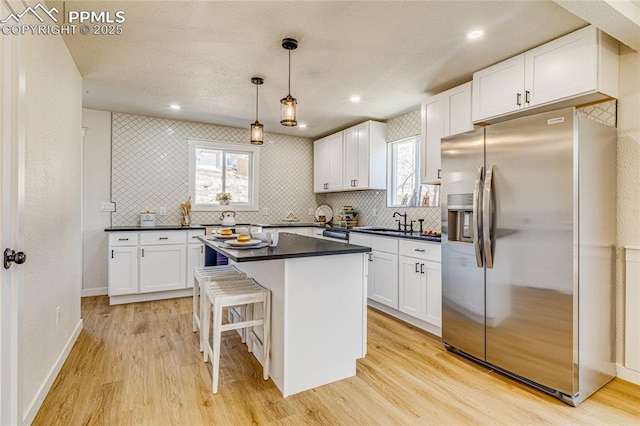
x,y
226,147
391,175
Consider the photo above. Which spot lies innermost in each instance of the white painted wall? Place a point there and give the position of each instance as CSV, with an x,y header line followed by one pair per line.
x,y
96,188
53,164
628,187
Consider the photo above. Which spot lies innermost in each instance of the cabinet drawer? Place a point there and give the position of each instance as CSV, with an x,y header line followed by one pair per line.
x,y
420,250
166,237
388,245
192,236
123,238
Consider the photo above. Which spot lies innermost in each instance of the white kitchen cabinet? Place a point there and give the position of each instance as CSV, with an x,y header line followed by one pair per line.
x,y
195,254
578,68
327,163
352,159
382,281
420,287
364,154
445,114
123,263
151,265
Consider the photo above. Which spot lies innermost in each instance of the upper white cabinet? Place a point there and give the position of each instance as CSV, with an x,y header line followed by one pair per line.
x,y
352,159
578,68
327,163
364,148
445,114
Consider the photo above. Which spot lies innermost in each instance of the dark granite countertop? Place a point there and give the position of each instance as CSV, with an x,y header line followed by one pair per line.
x,y
400,234
289,246
153,228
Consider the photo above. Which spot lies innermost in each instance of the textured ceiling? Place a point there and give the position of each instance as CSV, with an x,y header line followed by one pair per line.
x,y
202,55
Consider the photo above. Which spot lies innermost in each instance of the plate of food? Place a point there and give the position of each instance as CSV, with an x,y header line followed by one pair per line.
x,y
243,240
225,237
245,246
325,211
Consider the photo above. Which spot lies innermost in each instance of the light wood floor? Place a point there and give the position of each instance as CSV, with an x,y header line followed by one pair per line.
x,y
139,364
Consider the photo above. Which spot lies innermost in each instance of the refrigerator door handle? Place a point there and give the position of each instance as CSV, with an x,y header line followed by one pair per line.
x,y
477,215
488,225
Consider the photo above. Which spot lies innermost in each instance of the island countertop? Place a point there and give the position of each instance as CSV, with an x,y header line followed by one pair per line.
x,y
289,246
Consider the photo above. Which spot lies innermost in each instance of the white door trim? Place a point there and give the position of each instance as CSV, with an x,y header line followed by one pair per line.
x,y
12,143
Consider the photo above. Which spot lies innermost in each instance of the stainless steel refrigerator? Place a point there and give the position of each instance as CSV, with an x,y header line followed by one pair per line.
x,y
528,250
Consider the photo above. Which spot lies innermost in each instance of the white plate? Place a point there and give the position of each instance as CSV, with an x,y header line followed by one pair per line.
x,y
325,211
225,237
252,246
236,243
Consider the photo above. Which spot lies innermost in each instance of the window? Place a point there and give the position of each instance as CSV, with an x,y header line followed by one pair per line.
x,y
216,167
404,176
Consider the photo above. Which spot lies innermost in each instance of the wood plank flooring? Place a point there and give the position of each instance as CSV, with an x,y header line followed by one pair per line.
x,y
140,364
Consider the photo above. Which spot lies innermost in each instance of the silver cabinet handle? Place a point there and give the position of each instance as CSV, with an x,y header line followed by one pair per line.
x,y
477,215
422,268
201,249
439,173
488,220
417,267
370,257
419,250
163,238
519,99
526,96
123,239
112,254
142,252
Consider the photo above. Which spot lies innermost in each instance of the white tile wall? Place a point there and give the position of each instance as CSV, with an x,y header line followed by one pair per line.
x,y
150,170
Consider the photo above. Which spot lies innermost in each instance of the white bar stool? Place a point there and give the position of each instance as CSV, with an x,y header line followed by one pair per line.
x,y
223,294
202,275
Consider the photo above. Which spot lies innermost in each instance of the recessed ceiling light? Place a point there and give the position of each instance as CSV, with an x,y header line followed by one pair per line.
x,y
355,98
174,106
475,34
302,125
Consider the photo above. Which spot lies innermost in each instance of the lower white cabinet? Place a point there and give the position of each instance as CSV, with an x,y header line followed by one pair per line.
x,y
405,279
163,267
420,289
152,264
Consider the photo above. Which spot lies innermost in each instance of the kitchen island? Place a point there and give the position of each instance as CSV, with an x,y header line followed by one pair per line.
x,y
318,306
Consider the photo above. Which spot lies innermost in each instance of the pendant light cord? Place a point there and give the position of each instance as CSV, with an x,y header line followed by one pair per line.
x,y
257,102
289,72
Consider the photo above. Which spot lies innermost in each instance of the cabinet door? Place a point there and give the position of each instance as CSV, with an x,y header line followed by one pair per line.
x,y
456,110
356,157
321,165
195,259
335,162
383,273
163,267
562,68
123,270
433,281
498,89
430,144
412,286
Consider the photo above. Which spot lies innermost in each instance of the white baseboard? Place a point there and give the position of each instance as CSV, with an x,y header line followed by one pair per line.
x,y
99,291
629,375
32,409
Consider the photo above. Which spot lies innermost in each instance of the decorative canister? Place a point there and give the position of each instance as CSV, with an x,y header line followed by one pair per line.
x,y
147,219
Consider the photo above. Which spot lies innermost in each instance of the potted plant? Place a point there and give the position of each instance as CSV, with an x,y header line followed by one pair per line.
x,y
223,198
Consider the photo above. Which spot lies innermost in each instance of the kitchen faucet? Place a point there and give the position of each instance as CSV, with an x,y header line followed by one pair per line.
x,y
404,225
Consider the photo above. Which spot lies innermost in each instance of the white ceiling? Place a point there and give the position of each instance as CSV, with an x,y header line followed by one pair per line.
x,y
202,55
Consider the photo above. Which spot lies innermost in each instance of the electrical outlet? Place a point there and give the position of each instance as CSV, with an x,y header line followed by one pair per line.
x,y
374,212
265,212
312,212
57,315
162,211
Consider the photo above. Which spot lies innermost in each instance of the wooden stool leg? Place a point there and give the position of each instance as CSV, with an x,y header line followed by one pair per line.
x,y
217,337
195,307
205,325
266,335
247,331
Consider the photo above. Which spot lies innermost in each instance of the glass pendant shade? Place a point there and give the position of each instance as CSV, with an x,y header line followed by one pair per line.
x,y
288,111
257,133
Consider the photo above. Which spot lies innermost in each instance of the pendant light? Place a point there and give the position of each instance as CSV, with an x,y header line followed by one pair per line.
x,y
288,104
257,129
